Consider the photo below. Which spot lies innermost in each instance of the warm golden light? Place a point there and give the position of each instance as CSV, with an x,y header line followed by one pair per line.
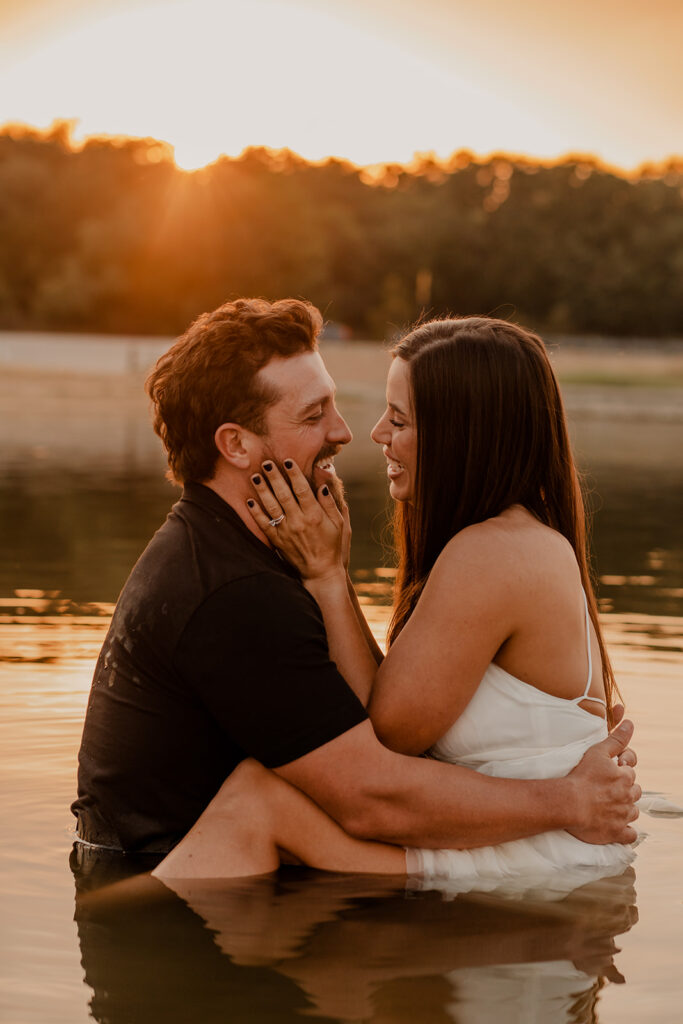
x,y
212,77
362,82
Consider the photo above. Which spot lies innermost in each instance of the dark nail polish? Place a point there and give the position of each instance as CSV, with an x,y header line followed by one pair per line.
x,y
268,466
288,463
326,490
256,479
250,503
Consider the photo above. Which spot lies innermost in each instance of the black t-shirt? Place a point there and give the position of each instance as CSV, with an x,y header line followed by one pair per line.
x,y
216,652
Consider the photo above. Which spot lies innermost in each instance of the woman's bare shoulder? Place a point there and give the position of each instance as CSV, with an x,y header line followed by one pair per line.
x,y
513,546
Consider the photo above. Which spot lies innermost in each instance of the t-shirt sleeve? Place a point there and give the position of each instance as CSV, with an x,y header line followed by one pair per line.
x,y
256,654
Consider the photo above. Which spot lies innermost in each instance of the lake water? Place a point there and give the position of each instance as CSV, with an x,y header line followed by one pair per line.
x,y
81,491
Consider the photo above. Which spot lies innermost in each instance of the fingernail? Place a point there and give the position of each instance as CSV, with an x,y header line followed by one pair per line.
x,y
325,490
256,478
288,463
250,503
268,466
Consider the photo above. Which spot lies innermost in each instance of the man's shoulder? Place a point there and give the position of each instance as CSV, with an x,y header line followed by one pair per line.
x,y
264,592
195,549
193,558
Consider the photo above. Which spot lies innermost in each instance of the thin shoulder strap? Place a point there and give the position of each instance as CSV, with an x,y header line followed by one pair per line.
x,y
588,645
585,695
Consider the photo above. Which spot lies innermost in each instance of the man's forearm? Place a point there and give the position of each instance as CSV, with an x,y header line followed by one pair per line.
x,y
410,801
453,807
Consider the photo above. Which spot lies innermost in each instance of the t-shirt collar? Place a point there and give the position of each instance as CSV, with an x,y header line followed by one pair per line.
x,y
208,499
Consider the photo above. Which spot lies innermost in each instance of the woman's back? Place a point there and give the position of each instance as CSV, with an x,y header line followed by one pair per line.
x,y
521,724
553,647
540,703
512,729
505,595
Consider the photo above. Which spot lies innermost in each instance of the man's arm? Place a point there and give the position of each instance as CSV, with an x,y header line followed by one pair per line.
x,y
375,793
255,654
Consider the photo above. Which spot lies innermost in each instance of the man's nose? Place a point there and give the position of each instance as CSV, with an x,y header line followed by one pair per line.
x,y
339,432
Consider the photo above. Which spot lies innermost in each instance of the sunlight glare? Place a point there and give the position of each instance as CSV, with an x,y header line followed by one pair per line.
x,y
215,76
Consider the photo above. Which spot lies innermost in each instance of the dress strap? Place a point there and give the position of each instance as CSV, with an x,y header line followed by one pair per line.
x,y
584,695
588,645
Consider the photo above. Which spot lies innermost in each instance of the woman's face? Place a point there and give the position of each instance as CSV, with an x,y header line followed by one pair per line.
x,y
397,434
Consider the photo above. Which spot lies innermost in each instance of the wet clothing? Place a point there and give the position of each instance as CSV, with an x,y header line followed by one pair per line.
x,y
216,652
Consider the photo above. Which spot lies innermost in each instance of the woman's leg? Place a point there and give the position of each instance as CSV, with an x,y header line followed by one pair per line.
x,y
256,817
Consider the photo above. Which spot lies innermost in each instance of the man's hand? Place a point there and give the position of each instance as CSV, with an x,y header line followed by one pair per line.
x,y
627,756
607,791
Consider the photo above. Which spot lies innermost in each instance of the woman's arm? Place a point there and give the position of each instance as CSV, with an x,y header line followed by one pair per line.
x,y
312,538
464,615
346,638
466,612
373,646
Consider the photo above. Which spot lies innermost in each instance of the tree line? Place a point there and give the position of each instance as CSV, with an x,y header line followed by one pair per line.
x,y
111,236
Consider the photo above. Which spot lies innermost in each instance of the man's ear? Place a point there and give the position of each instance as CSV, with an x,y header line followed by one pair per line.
x,y
234,443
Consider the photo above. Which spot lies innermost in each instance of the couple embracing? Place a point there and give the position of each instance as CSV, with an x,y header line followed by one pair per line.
x,y
241,713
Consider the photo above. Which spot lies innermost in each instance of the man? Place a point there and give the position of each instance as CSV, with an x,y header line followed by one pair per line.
x,y
217,653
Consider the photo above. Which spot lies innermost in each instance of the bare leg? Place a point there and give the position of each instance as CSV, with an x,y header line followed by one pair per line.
x,y
254,817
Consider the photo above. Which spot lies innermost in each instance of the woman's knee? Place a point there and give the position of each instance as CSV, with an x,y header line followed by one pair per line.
x,y
249,781
249,772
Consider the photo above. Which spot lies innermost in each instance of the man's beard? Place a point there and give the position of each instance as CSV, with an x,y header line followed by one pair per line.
x,y
336,486
332,481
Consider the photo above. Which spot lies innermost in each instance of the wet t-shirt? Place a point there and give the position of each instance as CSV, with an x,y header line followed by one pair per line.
x,y
216,652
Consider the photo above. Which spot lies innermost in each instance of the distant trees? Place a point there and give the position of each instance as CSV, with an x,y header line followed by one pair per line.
x,y
113,237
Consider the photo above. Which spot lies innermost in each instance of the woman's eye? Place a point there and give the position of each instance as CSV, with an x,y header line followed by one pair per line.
x,y
395,423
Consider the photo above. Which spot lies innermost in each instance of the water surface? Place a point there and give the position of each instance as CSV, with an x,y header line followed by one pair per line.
x,y
81,491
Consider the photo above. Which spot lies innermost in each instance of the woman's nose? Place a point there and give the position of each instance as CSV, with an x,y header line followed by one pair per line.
x,y
379,431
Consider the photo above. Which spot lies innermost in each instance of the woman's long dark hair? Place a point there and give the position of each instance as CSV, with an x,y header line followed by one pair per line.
x,y
491,433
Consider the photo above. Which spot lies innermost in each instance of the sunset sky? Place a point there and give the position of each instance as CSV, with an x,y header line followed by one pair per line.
x,y
369,80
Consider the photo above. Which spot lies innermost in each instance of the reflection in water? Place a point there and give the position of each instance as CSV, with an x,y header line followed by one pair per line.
x,y
346,948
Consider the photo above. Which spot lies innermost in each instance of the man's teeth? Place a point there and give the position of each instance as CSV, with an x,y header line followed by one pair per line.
x,y
326,464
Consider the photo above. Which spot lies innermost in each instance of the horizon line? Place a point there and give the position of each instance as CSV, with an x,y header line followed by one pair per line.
x,y
160,150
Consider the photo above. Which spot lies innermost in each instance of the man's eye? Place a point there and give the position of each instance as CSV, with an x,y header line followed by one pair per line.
x,y
314,417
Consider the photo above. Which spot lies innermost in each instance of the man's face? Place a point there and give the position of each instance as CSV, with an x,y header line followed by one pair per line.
x,y
304,424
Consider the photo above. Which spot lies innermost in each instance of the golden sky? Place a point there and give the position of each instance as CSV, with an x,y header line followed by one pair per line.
x,y
369,80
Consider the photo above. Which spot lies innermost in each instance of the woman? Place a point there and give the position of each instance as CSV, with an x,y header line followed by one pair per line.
x,y
495,629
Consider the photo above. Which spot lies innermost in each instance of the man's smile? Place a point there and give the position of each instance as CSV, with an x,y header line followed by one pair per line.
x,y
323,467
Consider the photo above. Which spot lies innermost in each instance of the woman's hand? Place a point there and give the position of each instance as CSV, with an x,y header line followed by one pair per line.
x,y
310,532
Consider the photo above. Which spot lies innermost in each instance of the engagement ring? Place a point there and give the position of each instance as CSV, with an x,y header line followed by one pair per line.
x,y
276,522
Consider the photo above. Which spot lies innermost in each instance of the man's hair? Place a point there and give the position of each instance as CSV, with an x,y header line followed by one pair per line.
x,y
210,377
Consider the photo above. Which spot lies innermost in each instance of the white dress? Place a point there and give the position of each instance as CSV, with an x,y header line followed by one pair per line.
x,y
513,730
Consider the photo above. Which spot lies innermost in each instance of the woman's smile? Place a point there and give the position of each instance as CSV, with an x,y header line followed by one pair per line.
x,y
396,433
394,468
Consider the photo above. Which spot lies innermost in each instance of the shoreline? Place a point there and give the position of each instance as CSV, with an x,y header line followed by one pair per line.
x,y
641,382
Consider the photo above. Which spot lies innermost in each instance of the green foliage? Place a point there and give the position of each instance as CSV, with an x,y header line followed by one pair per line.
x,y
113,237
